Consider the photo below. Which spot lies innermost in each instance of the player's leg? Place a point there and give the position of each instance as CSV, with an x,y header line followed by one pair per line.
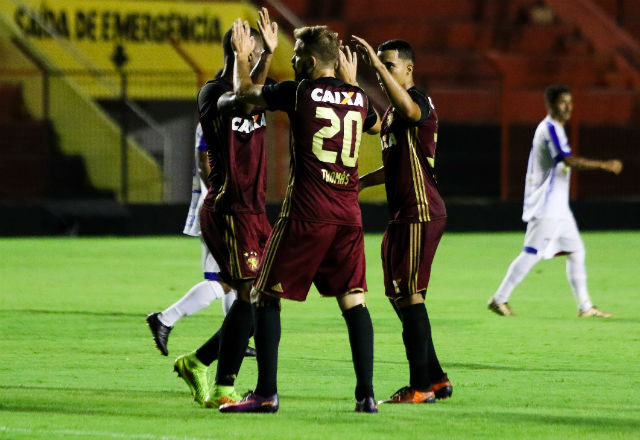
x,y
571,243
228,300
538,233
197,298
360,328
291,258
192,367
246,237
234,339
518,269
267,338
407,277
342,274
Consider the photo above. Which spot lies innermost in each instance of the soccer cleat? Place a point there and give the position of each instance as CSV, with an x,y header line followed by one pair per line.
x,y
221,394
250,352
194,373
501,309
159,331
253,403
442,389
410,395
366,405
594,312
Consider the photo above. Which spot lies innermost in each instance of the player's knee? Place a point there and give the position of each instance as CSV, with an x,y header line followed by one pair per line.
x,y
409,299
351,300
260,299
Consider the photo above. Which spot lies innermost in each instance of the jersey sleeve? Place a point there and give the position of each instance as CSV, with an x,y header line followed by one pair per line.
x,y
559,146
371,119
423,102
280,96
201,145
208,100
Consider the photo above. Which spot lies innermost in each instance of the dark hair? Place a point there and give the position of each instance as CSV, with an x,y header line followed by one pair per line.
x,y
553,92
405,51
318,41
227,50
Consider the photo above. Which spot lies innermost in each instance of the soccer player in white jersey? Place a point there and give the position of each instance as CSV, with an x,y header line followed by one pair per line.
x,y
212,288
551,227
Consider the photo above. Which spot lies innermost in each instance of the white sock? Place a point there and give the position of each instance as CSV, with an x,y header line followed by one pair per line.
x,y
196,299
228,300
577,276
518,269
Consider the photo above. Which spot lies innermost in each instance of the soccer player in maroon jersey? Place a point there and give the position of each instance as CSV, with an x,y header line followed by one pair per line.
x,y
318,237
418,214
233,218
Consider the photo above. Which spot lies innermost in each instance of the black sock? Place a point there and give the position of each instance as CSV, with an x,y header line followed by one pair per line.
x,y
267,338
234,338
396,309
361,339
434,368
208,352
416,335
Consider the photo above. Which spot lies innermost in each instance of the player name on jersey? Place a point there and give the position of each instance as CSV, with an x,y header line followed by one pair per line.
x,y
336,177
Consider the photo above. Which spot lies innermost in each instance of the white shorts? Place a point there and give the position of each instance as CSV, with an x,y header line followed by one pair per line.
x,y
548,237
209,265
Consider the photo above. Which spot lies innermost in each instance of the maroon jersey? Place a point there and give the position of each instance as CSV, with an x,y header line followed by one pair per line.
x,y
237,154
408,155
327,119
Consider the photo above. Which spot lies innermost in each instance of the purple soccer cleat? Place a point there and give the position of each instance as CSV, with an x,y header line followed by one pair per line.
x,y
253,403
366,405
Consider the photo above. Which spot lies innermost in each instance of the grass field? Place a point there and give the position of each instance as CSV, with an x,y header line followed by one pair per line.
x,y
79,363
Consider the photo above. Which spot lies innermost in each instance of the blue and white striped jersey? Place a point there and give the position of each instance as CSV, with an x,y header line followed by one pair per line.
x,y
546,191
198,189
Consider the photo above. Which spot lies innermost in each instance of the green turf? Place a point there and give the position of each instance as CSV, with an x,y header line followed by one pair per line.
x,y
78,361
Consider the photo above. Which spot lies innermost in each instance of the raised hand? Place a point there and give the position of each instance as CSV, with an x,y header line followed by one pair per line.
x,y
366,51
347,65
241,39
614,166
268,30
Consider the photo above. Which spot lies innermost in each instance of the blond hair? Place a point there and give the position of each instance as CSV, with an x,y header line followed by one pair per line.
x,y
319,42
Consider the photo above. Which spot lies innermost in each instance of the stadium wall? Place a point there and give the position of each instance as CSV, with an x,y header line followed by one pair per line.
x,y
94,218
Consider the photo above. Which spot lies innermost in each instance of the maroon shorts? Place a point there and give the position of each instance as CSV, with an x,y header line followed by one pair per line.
x,y
301,252
236,241
407,254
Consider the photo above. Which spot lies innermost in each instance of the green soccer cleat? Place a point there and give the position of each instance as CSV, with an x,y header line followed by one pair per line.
x,y
194,373
221,395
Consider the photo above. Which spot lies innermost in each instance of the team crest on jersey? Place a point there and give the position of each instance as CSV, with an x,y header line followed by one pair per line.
x,y
333,97
389,118
251,259
247,125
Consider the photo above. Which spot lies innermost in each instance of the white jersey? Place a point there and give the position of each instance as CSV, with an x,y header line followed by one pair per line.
x,y
546,190
198,190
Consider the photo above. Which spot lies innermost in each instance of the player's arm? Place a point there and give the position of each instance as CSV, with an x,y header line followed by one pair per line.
x,y
371,179
228,104
375,129
582,163
245,89
397,95
269,32
347,71
203,167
